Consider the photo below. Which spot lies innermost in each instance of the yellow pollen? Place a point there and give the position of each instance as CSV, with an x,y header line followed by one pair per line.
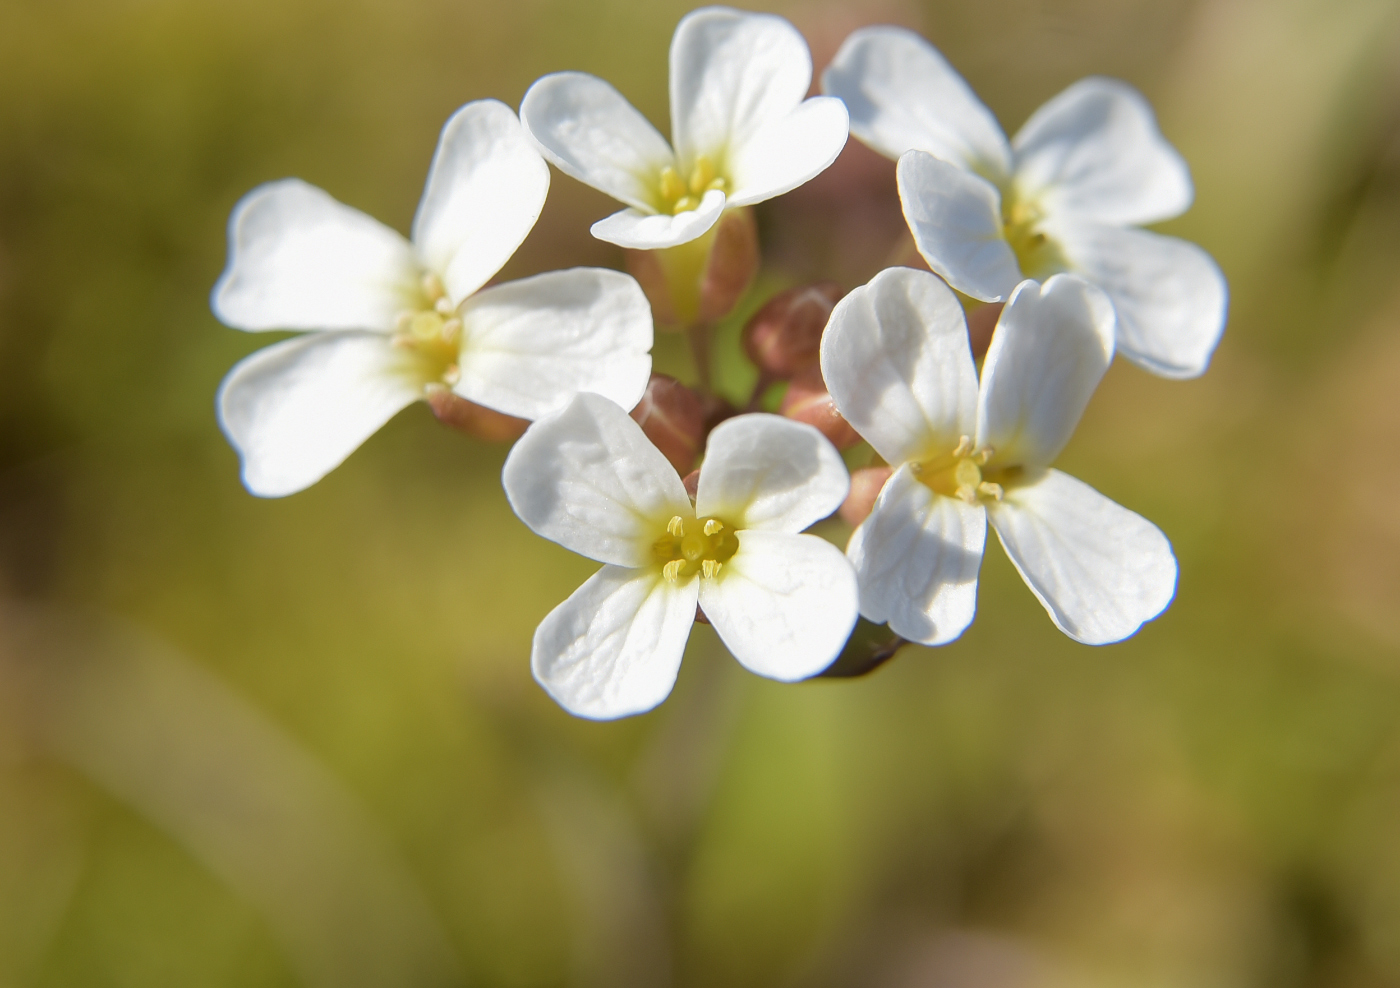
x,y
432,331
1037,255
966,473
678,195
694,550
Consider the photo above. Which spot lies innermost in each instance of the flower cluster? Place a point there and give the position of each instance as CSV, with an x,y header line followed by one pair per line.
x,y
1044,226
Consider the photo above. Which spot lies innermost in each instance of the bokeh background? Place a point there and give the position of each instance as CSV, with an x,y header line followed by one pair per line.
x,y
296,742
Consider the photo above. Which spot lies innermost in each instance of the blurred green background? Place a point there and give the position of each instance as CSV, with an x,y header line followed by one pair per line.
x,y
250,742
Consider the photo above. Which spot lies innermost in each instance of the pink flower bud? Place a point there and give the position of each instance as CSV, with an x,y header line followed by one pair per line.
x,y
806,400
673,418
866,484
473,419
784,336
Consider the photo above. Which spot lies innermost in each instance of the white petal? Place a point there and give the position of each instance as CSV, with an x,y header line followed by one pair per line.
x,y
1094,153
614,647
768,472
783,604
645,231
732,75
295,410
1099,569
917,558
531,345
1170,296
896,360
299,259
1050,349
955,218
788,152
903,95
485,190
589,130
587,478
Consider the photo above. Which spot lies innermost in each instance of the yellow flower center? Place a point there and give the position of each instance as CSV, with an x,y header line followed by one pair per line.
x,y
701,546
966,474
679,194
431,331
1038,255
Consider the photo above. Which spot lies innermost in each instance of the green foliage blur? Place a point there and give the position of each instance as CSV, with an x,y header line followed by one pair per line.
x,y
296,742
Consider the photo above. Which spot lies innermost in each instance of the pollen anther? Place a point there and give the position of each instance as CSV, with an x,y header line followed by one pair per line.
x,y
672,570
676,526
713,525
710,568
989,489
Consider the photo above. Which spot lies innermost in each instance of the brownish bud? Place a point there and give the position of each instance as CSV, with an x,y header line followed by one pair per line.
x,y
473,419
732,265
981,323
692,483
673,418
807,401
785,336
701,281
866,484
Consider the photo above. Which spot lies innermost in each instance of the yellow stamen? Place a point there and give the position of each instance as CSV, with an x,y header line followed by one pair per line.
x,y
710,569
964,446
676,526
433,288
672,188
672,570
702,175
713,525
989,489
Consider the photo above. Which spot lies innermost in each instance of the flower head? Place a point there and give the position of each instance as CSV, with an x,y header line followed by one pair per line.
x,y
897,362
1066,194
742,131
783,603
396,319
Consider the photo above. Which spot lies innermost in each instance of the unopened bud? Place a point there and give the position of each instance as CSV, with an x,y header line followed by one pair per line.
x,y
673,418
475,420
785,336
981,323
866,484
700,281
807,401
692,483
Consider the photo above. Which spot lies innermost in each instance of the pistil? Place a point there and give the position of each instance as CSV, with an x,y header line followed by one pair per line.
x,y
700,546
432,331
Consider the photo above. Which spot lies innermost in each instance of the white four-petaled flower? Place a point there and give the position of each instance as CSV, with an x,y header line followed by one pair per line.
x,y
398,318
1066,194
897,362
742,131
783,603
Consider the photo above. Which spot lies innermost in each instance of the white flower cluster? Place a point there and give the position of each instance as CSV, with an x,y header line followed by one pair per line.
x,y
1044,224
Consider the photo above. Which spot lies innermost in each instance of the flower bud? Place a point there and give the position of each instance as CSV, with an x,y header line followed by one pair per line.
x,y
475,420
701,281
807,401
866,484
981,323
785,336
673,418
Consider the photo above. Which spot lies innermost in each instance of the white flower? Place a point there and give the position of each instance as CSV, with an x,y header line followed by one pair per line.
x,y
783,603
1065,195
896,359
741,130
398,318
